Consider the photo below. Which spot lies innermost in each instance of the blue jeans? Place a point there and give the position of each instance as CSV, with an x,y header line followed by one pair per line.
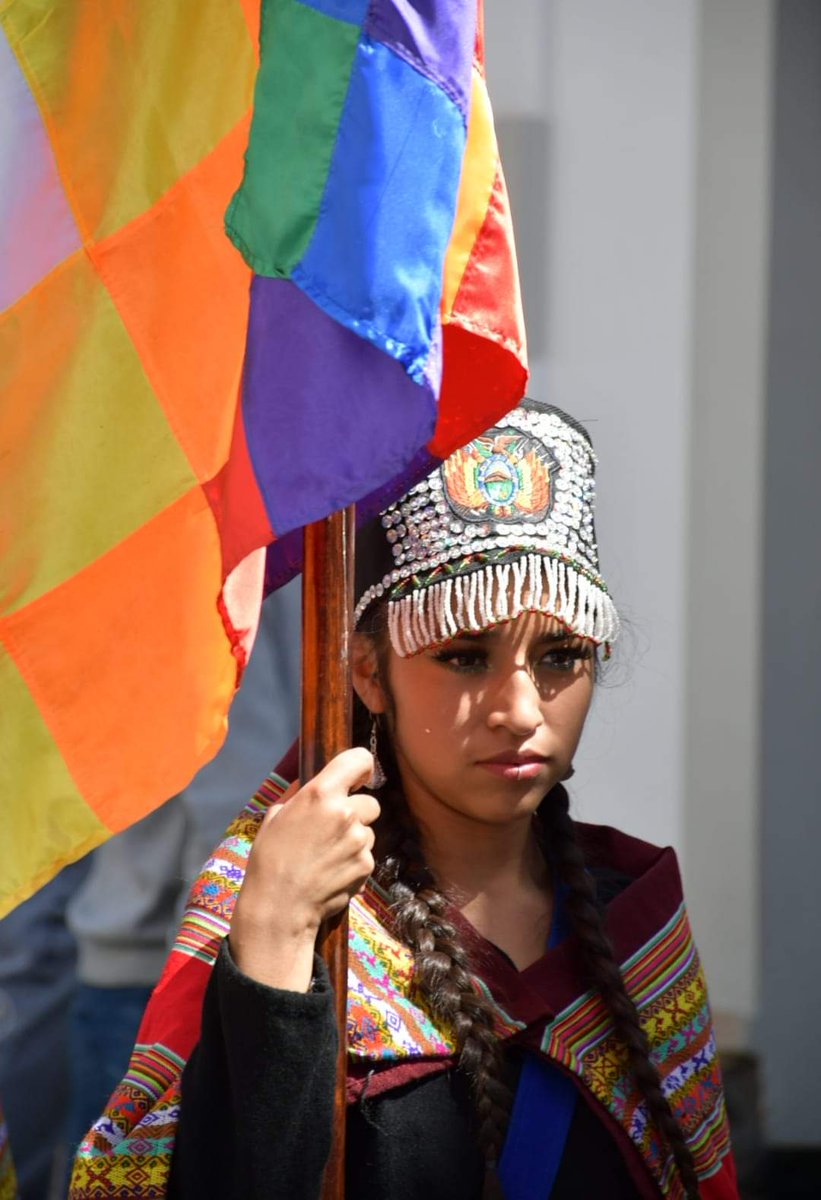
x,y
104,1024
37,983
64,1046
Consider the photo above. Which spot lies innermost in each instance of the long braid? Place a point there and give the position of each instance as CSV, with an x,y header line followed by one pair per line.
x,y
442,974
603,972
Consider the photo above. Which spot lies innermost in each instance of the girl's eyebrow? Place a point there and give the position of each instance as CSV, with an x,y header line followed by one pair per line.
x,y
492,635
559,635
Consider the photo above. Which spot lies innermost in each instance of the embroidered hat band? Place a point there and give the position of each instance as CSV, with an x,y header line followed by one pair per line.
x,y
503,526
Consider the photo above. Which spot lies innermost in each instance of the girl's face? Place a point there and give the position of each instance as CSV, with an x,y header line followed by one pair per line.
x,y
486,724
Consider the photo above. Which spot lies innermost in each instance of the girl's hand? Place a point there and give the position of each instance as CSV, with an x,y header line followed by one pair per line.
x,y
313,853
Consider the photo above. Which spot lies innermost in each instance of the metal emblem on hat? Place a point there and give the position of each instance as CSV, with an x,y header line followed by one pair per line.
x,y
504,476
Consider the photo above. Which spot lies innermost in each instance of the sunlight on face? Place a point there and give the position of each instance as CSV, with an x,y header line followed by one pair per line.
x,y
486,724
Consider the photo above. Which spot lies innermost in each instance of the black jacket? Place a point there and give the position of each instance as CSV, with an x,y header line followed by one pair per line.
x,y
250,1132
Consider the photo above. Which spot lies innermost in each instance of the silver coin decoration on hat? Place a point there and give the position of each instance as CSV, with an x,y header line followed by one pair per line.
x,y
504,526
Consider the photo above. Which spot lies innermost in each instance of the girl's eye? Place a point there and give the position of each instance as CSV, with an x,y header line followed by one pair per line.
x,y
564,658
462,660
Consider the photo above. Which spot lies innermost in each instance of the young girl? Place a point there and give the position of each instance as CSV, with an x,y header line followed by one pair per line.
x,y
527,1016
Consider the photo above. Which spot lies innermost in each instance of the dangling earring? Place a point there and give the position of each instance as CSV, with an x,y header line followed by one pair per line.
x,y
378,777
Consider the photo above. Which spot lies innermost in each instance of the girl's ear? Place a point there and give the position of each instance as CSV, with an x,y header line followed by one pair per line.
x,y
365,673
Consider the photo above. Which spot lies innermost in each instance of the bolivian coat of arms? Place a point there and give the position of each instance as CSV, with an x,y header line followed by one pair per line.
x,y
505,475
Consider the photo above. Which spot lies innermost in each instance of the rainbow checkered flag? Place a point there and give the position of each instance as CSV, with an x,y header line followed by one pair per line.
x,y
172,404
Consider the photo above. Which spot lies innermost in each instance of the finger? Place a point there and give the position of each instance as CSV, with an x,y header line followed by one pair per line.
x,y
346,771
365,806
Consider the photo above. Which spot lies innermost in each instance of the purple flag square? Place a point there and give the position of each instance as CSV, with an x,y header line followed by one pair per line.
x,y
437,39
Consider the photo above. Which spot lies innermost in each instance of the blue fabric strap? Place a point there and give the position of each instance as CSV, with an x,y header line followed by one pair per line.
x,y
542,1112
539,1123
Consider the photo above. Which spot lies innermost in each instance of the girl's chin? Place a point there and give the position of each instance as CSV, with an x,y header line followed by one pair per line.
x,y
508,803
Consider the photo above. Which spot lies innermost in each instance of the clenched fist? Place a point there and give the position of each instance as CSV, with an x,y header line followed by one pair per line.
x,y
312,853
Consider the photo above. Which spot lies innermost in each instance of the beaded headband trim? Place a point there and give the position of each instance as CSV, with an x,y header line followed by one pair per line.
x,y
503,526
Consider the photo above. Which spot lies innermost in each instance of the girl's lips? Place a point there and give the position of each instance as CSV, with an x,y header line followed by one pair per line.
x,y
529,768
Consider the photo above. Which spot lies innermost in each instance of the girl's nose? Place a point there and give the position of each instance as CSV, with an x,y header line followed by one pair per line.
x,y
516,704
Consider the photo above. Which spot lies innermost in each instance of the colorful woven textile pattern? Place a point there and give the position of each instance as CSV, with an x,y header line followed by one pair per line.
x,y
167,413
666,981
385,1023
128,1152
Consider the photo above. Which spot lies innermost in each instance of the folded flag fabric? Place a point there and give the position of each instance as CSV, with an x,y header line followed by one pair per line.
x,y
170,407
385,316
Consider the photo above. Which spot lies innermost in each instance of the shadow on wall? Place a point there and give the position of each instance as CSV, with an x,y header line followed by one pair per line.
x,y
782,1174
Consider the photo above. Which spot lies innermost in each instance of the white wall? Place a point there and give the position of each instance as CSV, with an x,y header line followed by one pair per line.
x,y
614,85
788,1039
722,769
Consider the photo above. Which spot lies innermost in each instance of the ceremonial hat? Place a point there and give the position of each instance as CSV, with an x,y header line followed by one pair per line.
x,y
503,526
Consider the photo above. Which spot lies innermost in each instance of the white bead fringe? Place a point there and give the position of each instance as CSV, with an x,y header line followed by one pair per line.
x,y
500,592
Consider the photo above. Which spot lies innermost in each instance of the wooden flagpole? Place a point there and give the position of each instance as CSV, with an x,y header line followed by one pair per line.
x,y
327,611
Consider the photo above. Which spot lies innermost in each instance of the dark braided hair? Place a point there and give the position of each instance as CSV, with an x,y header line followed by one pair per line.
x,y
442,967
602,972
